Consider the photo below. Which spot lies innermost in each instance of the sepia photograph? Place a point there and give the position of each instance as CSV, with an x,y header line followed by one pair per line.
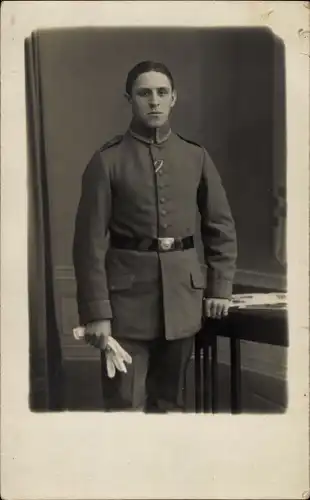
x,y
154,250
157,245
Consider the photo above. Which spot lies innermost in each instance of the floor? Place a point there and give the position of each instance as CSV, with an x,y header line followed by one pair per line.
x,y
260,393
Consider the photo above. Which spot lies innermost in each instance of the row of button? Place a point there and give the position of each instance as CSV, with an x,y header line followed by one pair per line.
x,y
158,164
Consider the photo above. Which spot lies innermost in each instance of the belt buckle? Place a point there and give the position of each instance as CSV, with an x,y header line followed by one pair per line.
x,y
166,244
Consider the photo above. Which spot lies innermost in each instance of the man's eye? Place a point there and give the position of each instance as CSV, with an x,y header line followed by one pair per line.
x,y
143,93
162,92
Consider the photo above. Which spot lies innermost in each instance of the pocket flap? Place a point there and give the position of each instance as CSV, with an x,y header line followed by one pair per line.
x,y
121,282
197,277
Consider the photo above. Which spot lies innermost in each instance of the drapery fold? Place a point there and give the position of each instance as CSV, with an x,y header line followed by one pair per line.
x,y
279,155
46,375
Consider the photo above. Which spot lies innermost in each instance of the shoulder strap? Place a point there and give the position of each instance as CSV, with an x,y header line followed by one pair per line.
x,y
189,141
113,142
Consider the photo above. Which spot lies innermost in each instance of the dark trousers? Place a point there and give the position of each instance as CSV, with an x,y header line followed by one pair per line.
x,y
154,382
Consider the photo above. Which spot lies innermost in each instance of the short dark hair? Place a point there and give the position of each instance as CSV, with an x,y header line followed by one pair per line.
x,y
145,67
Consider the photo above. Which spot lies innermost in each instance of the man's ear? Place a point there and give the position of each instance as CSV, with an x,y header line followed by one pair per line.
x,y
174,98
128,97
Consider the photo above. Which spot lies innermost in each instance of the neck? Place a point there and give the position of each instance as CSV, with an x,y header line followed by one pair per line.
x,y
148,134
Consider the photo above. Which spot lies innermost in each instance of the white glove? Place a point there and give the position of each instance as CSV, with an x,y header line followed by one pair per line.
x,y
115,355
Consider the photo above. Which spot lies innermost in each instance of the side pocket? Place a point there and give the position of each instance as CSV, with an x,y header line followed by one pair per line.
x,y
197,277
121,282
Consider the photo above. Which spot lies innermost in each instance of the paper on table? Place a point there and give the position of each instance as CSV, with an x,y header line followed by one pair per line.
x,y
244,300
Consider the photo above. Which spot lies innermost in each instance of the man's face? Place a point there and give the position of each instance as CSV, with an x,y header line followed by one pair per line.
x,y
152,99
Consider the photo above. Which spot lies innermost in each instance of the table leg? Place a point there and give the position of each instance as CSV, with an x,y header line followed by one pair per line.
x,y
214,376
198,384
235,367
206,377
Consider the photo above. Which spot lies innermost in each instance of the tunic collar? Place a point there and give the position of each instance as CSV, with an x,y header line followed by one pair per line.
x,y
149,135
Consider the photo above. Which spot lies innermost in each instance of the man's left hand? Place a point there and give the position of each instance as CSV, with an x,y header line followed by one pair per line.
x,y
216,308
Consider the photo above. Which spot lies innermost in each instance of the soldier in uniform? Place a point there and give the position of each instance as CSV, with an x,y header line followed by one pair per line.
x,y
139,278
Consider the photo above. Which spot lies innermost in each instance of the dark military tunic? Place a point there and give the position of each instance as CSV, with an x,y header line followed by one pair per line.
x,y
145,185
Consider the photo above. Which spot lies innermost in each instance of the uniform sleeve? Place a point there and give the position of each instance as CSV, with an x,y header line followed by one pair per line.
x,y
90,243
217,232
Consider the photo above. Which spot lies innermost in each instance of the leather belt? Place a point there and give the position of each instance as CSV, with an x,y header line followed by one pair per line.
x,y
151,244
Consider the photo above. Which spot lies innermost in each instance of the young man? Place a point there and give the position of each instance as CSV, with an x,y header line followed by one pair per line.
x,y
138,276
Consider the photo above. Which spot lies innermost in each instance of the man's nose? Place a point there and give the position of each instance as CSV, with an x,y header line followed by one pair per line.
x,y
154,100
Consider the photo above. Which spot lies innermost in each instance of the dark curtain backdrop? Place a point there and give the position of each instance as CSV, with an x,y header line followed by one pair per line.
x,y
231,91
46,376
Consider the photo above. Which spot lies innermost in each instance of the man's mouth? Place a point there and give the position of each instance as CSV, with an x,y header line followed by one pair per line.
x,y
155,113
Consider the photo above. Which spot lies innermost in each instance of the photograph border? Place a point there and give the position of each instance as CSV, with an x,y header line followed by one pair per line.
x,y
95,456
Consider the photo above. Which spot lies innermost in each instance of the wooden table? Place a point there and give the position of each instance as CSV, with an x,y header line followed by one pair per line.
x,y
269,326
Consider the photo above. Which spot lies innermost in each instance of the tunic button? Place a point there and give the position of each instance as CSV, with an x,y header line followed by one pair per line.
x,y
162,200
165,226
163,212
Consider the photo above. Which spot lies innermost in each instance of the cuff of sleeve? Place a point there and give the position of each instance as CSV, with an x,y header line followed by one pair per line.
x,y
219,288
94,310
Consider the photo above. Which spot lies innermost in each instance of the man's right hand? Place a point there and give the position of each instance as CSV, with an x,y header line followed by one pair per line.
x,y
97,333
